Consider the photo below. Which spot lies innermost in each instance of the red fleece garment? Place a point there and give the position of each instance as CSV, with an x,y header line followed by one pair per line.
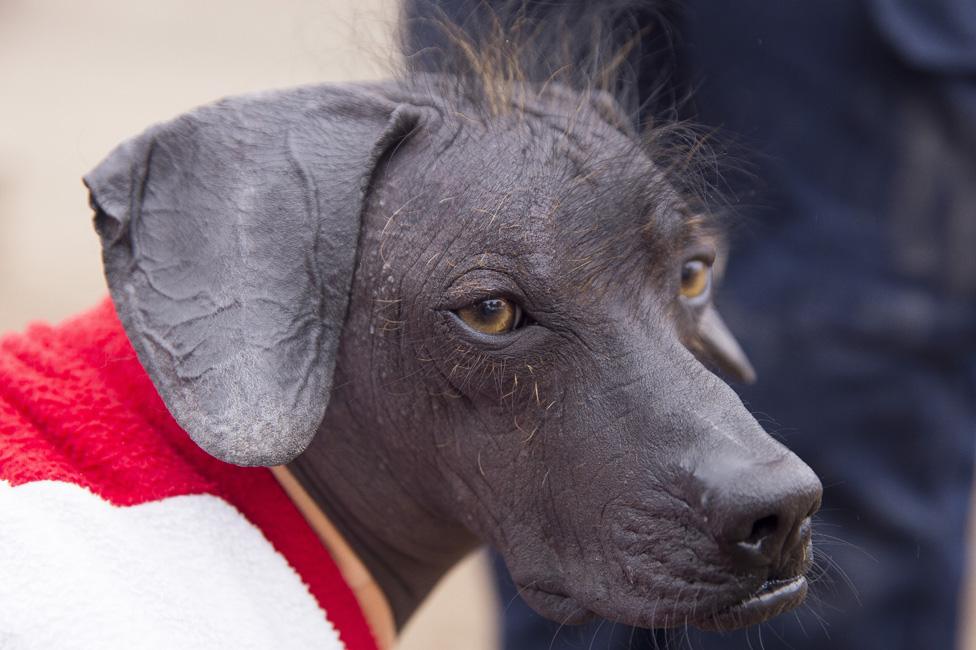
x,y
76,406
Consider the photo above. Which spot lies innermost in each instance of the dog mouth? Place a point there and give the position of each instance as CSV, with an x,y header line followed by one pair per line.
x,y
771,599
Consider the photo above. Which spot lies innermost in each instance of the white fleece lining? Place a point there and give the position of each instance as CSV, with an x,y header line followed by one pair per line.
x,y
188,572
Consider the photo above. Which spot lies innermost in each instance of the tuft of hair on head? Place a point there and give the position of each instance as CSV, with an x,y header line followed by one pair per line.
x,y
498,55
498,50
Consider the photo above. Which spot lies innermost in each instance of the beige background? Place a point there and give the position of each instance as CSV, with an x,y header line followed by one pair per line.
x,y
77,77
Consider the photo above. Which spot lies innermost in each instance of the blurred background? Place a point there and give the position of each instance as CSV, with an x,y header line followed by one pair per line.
x,y
76,78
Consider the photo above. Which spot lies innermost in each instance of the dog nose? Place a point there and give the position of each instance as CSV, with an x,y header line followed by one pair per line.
x,y
759,513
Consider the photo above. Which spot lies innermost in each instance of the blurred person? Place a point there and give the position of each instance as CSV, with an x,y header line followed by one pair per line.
x,y
852,285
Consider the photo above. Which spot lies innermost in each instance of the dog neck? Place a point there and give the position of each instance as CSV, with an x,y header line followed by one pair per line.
x,y
387,519
372,600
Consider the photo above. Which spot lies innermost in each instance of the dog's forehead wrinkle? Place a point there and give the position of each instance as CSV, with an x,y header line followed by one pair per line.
x,y
563,120
544,128
531,180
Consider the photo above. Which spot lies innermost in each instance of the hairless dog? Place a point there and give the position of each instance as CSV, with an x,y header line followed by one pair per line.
x,y
463,309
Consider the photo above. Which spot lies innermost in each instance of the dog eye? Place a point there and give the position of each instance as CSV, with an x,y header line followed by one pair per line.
x,y
696,279
492,316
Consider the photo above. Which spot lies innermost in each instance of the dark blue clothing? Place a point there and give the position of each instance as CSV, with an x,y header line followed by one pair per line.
x,y
852,286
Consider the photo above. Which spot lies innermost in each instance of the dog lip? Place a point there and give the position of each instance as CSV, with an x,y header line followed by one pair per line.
x,y
772,598
560,605
542,590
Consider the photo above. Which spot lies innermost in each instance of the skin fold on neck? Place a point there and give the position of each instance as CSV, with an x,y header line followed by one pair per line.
x,y
387,504
398,543
371,598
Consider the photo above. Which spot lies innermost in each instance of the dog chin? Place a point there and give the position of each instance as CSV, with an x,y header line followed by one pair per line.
x,y
555,605
771,598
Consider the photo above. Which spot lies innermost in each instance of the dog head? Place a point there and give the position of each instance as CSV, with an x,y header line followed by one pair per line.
x,y
510,307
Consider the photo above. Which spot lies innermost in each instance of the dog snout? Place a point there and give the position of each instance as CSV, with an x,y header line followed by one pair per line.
x,y
759,512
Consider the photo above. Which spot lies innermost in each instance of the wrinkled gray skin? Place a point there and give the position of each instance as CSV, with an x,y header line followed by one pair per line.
x,y
288,266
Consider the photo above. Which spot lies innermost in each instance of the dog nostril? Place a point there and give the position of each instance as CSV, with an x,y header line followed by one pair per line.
x,y
761,529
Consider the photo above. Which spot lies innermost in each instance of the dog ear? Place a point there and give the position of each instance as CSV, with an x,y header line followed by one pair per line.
x,y
721,348
229,240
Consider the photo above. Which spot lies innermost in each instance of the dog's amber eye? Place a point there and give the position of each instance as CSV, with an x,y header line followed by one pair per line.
x,y
492,316
696,278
